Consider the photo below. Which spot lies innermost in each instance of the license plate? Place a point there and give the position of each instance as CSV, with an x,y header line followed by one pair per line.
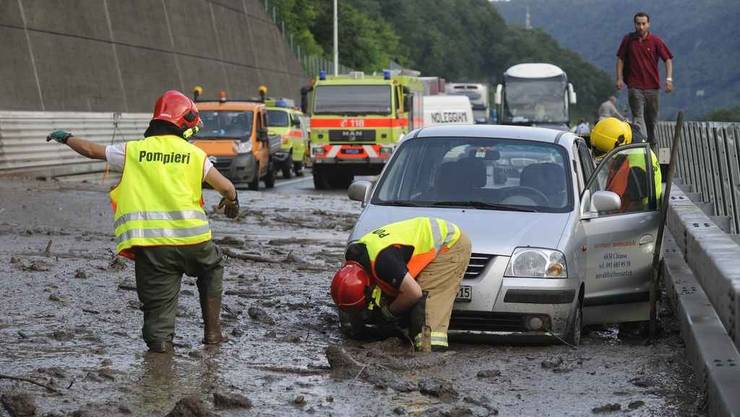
x,y
351,151
464,294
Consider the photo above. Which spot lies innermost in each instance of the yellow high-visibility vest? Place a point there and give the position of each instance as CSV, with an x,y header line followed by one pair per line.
x,y
429,236
638,160
158,201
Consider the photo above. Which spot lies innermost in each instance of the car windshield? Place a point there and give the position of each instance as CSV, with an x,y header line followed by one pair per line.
x,y
277,118
225,124
538,101
352,99
483,173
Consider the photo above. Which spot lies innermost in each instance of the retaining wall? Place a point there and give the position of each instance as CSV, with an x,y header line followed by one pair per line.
x,y
119,56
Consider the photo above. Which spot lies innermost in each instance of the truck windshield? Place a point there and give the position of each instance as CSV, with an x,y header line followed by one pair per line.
x,y
225,124
487,173
277,118
535,101
352,99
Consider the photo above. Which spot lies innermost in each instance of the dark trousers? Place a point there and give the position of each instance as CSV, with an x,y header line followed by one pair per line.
x,y
159,271
644,107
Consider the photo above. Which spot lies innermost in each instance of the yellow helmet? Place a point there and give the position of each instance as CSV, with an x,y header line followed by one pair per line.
x,y
610,133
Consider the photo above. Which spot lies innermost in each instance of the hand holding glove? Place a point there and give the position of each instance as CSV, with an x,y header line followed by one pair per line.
x,y
231,207
60,136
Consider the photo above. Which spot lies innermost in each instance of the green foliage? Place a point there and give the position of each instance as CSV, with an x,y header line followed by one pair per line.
x,y
730,114
459,40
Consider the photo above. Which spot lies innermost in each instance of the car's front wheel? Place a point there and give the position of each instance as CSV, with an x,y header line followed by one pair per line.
x,y
573,336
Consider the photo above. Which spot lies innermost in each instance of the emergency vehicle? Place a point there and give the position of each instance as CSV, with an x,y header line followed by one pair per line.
x,y
235,138
357,121
286,122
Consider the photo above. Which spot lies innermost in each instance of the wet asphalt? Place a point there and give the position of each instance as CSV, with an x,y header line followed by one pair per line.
x,y
70,320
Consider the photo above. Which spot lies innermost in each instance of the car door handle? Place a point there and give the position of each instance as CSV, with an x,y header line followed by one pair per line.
x,y
645,239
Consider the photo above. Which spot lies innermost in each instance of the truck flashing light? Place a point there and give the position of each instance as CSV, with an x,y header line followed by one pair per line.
x,y
322,75
222,96
386,75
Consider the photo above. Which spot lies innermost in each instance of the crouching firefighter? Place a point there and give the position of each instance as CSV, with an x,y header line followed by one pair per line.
x,y
159,219
411,268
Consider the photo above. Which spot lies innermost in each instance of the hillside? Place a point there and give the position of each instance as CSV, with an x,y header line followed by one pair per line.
x,y
703,36
460,40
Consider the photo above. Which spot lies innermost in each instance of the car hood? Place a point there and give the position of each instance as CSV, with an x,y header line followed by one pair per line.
x,y
492,232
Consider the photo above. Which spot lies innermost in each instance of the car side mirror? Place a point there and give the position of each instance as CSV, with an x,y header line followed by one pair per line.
x,y
359,191
296,123
262,134
605,201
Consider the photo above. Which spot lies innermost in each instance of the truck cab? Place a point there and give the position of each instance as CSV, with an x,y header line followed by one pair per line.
x,y
235,138
535,95
287,123
357,121
478,96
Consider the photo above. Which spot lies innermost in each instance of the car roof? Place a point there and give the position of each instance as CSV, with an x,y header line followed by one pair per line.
x,y
526,133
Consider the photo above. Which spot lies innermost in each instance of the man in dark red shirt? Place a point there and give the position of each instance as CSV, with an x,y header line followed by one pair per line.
x,y
637,66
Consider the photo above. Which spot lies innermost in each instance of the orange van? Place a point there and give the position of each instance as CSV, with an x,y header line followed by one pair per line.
x,y
234,135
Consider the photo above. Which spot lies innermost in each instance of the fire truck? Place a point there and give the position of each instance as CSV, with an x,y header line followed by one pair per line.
x,y
357,121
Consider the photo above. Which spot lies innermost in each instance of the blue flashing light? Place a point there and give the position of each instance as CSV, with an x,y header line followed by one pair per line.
x,y
281,103
322,75
386,74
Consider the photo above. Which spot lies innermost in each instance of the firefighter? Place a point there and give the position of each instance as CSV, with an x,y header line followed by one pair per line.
x,y
627,173
413,267
159,219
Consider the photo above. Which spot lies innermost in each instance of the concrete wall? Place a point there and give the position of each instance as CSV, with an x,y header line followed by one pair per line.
x,y
113,55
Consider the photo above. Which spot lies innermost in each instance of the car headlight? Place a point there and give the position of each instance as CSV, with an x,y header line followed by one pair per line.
x,y
244,147
536,263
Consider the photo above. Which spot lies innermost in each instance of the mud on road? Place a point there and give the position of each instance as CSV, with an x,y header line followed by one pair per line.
x,y
70,328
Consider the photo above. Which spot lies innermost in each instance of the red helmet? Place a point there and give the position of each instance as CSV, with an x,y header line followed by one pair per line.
x,y
349,285
176,108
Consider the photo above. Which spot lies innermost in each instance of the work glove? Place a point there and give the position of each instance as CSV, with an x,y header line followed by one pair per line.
x,y
60,136
231,207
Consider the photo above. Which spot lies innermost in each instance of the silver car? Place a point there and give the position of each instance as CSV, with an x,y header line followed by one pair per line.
x,y
554,248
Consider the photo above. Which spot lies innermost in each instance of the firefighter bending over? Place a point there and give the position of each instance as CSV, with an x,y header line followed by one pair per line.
x,y
410,269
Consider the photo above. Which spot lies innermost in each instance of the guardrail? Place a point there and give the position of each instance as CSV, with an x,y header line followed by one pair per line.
x,y
709,161
23,147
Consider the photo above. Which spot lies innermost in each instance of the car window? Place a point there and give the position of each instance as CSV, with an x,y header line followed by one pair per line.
x,y
625,173
512,174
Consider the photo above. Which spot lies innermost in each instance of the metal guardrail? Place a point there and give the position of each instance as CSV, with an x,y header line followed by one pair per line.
x,y
23,147
709,161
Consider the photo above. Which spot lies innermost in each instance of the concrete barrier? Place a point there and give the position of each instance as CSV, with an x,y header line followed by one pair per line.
x,y
713,256
709,348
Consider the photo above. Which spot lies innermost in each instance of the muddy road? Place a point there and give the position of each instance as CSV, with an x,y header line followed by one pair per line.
x,y
70,320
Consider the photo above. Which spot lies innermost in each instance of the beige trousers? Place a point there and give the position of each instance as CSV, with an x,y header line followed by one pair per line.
x,y
440,280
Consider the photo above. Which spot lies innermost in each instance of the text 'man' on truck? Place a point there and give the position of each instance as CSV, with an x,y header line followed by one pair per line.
x,y
535,95
357,121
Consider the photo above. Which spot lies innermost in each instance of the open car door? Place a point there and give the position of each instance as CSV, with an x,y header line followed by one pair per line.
x,y
620,235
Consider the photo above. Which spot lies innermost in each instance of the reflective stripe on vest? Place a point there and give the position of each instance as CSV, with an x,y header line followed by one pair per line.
x,y
159,198
428,236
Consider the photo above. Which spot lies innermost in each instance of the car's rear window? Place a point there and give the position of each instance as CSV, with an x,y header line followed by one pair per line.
x,y
478,172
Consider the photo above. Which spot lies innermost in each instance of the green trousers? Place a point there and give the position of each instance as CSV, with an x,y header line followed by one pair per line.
x,y
159,271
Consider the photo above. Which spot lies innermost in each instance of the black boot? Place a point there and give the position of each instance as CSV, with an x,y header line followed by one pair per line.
x,y
160,347
418,330
211,309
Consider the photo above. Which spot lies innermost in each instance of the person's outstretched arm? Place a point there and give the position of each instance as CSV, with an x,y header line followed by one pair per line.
x,y
83,147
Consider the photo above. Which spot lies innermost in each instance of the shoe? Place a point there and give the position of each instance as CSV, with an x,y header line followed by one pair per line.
x,y
211,309
160,347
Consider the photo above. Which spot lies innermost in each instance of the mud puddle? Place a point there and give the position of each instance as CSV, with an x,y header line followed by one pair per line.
x,y
70,324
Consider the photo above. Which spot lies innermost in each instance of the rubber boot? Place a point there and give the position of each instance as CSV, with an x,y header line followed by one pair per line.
x,y
211,309
418,330
160,347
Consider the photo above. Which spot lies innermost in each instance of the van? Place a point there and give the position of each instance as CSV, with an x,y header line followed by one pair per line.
x,y
445,110
235,138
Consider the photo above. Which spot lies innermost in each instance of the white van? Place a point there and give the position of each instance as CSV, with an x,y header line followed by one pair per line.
x,y
446,110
